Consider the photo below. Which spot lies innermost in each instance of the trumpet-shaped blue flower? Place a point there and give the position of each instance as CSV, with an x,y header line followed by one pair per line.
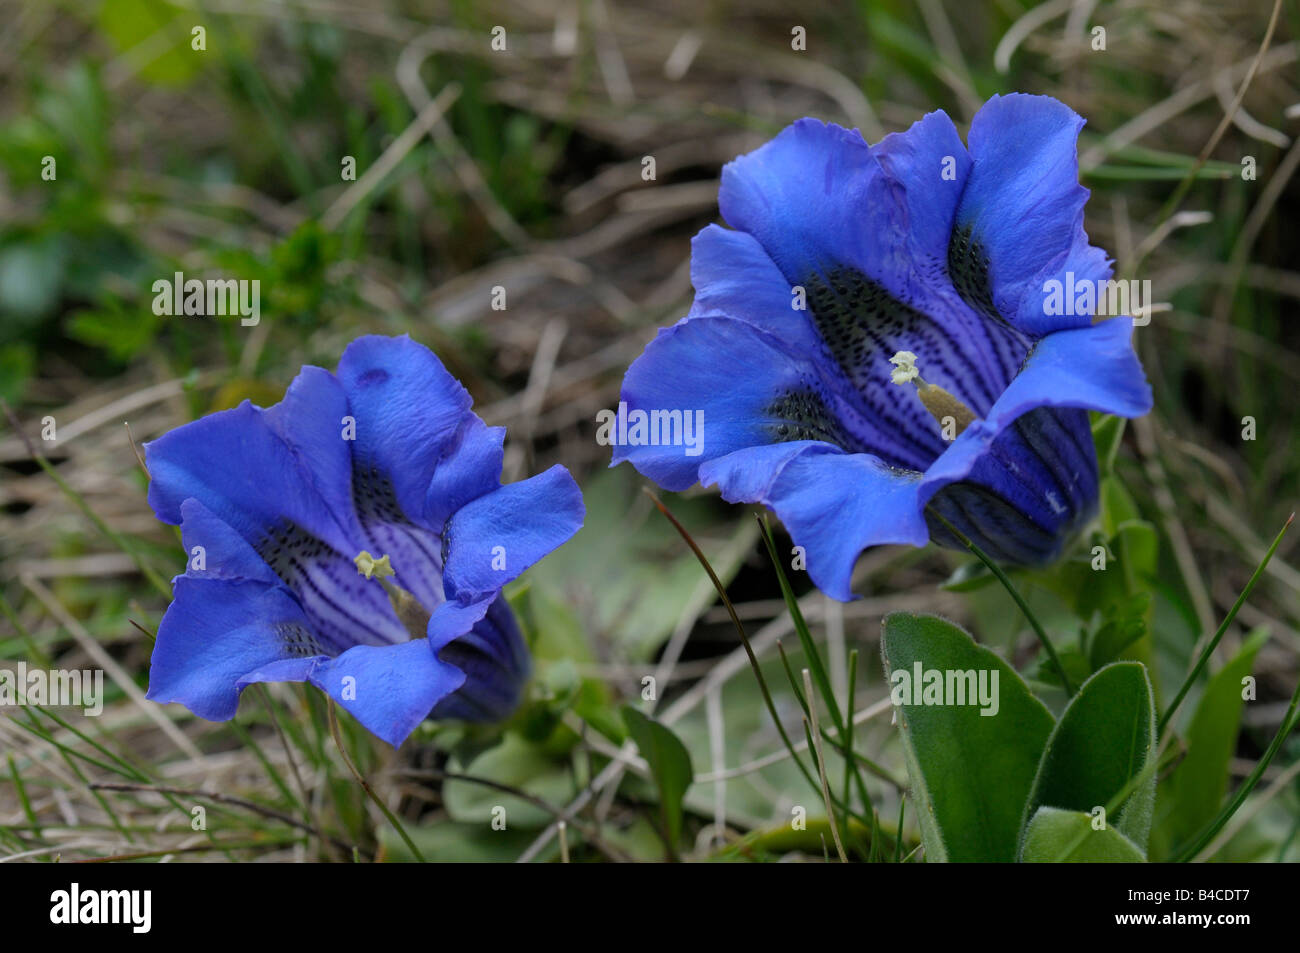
x,y
872,344
355,536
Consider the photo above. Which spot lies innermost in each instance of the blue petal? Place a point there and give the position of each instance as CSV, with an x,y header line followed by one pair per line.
x,y
281,478
410,414
833,504
494,538
733,275
1023,207
408,409
755,389
837,504
931,165
390,689
239,468
1092,368
470,468
494,658
748,475
248,478
814,194
311,420
214,632
454,618
226,554
1028,494
864,233
479,669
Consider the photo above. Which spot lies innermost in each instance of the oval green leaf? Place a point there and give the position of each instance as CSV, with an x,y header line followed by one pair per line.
x,y
1056,836
1194,792
1102,746
971,766
670,766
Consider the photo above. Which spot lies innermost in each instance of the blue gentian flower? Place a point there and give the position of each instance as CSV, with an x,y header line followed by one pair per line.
x,y
355,536
871,345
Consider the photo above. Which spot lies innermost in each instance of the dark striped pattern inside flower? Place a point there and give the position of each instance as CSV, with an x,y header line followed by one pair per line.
x,y
968,267
803,415
298,641
495,662
345,609
862,325
417,554
1059,439
1035,487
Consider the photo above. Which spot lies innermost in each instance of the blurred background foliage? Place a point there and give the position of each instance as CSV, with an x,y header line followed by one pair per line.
x,y
228,161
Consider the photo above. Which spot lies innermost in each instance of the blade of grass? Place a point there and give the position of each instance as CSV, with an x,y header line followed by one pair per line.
x,y
225,800
33,650
848,729
838,742
1204,658
814,659
118,540
821,768
740,629
21,790
224,846
126,769
801,628
1207,834
898,836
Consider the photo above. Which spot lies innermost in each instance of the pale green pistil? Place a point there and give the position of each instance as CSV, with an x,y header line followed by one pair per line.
x,y
413,616
941,404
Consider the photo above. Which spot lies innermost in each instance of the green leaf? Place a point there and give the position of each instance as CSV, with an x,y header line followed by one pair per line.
x,y
670,765
17,365
1072,660
516,763
1108,434
1137,547
1104,740
1057,836
1195,790
557,638
1117,506
1122,625
450,843
970,773
130,24
968,577
626,573
122,334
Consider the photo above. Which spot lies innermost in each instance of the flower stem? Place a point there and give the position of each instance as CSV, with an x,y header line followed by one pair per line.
x,y
1006,584
365,785
744,639
813,657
